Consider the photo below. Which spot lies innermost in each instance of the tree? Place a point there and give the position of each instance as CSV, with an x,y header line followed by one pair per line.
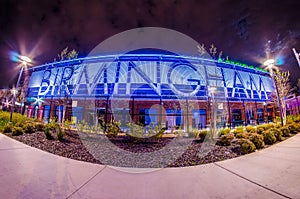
x,y
65,54
212,51
284,89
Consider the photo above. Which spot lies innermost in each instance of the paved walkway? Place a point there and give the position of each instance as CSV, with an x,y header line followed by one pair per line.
x,y
26,172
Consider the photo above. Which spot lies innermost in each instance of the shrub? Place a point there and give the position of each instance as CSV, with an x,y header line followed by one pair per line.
x,y
292,127
277,133
296,119
39,126
17,118
113,129
47,133
277,119
53,124
226,139
17,131
202,134
285,131
250,129
292,118
60,134
241,135
19,124
257,140
224,131
246,146
267,126
269,137
135,132
7,128
239,129
28,128
68,125
159,135
260,130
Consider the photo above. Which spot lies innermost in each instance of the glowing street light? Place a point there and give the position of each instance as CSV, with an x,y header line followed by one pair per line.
x,y
270,66
14,91
24,60
269,62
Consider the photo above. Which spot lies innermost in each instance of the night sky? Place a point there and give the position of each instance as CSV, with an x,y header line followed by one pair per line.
x,y
40,29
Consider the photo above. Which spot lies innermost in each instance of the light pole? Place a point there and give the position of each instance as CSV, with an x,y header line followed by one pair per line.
x,y
270,66
24,60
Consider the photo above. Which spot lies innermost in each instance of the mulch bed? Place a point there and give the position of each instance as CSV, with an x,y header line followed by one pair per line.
x,y
78,146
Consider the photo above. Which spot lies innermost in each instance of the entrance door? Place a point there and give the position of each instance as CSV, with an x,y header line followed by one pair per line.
x,y
237,117
270,114
260,115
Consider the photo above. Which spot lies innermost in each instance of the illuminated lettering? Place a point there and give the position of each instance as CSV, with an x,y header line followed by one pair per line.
x,y
45,83
153,77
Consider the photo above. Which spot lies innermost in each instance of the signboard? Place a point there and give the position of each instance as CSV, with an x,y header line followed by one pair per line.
x,y
149,78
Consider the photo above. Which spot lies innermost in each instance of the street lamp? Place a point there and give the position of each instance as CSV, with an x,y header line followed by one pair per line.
x,y
24,60
270,66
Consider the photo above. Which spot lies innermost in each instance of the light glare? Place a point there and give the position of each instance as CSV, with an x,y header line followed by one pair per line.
x,y
269,62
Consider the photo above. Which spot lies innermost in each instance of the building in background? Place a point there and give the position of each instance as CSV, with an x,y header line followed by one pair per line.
x,y
293,105
160,88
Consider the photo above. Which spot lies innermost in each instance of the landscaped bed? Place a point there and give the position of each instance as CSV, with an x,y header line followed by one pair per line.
x,y
77,145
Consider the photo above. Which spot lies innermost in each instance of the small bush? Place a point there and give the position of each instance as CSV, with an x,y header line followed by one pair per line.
x,y
16,131
241,135
19,124
39,126
239,129
202,134
292,127
224,131
226,139
250,129
257,140
47,133
28,128
136,132
60,134
269,137
285,131
297,119
113,129
160,134
267,126
68,125
7,128
246,146
260,130
277,133
53,124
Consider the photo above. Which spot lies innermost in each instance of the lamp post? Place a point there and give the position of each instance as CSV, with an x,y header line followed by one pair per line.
x,y
270,66
24,61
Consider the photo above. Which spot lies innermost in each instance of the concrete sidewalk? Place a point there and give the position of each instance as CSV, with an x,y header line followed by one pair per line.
x,y
26,172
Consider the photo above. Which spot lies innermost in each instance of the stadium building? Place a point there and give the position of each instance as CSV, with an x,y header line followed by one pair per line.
x,y
161,88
